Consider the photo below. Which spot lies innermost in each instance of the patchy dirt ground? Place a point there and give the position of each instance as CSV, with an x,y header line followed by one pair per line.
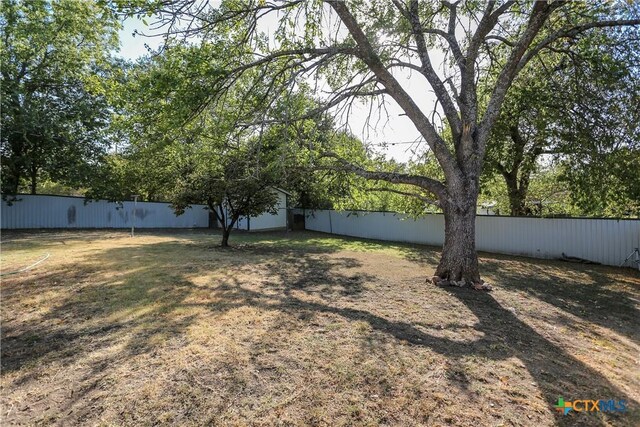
x,y
305,329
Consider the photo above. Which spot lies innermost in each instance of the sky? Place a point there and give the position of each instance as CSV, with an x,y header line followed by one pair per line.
x,y
395,129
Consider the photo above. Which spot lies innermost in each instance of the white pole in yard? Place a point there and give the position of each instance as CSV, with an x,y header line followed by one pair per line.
x,y
133,217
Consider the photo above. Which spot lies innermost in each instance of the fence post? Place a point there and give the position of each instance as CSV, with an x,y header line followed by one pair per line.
x,y
133,217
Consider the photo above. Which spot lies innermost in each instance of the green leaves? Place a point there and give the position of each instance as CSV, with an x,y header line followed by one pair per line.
x,y
188,149
573,112
55,58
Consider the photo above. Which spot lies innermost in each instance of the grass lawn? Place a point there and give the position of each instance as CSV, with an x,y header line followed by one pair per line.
x,y
305,329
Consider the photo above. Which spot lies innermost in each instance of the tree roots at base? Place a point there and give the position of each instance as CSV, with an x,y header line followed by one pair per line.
x,y
478,286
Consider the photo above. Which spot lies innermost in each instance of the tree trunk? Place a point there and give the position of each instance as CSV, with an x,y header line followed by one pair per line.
x,y
516,204
516,201
517,195
15,182
459,261
226,231
34,180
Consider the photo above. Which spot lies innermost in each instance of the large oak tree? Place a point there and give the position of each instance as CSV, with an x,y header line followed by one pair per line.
x,y
359,49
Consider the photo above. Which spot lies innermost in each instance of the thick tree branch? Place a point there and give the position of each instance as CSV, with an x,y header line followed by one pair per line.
x,y
432,185
451,31
500,167
450,111
212,208
487,23
422,123
500,39
468,93
408,193
519,145
572,32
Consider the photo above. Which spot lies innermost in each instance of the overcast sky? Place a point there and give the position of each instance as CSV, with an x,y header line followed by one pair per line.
x,y
396,130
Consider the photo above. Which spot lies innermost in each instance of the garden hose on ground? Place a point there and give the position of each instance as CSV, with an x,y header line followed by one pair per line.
x,y
22,270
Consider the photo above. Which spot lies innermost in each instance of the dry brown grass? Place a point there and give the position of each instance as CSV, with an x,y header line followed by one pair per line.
x,y
304,329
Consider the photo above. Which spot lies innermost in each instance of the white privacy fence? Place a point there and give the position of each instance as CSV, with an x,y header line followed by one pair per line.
x,y
40,211
607,241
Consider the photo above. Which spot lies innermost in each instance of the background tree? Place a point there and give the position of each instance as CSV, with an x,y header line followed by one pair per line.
x,y
605,184
547,195
55,56
234,181
576,107
355,47
228,155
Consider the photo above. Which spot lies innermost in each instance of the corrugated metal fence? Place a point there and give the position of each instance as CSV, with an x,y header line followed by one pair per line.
x,y
40,211
607,241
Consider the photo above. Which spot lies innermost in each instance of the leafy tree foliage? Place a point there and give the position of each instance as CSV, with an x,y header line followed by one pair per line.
x,y
233,181
54,106
353,49
546,195
575,107
228,155
605,183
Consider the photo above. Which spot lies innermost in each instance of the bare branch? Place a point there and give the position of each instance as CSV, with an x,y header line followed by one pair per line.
x,y
499,38
572,32
432,185
313,52
408,193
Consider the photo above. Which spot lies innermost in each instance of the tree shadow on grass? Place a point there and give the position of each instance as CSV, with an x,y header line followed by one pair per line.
x,y
585,291
127,314
135,286
129,301
556,372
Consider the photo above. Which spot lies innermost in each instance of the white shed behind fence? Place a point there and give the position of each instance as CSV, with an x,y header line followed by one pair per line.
x,y
268,221
607,241
41,211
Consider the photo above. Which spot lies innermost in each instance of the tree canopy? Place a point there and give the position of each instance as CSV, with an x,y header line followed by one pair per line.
x,y
354,50
575,108
55,60
229,155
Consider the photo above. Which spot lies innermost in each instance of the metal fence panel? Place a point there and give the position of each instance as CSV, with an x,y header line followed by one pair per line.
x,y
41,211
607,241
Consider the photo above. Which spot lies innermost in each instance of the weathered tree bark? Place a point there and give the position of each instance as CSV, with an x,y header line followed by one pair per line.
x,y
459,260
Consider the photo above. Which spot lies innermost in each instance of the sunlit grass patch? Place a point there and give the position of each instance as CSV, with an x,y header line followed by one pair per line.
x,y
304,328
